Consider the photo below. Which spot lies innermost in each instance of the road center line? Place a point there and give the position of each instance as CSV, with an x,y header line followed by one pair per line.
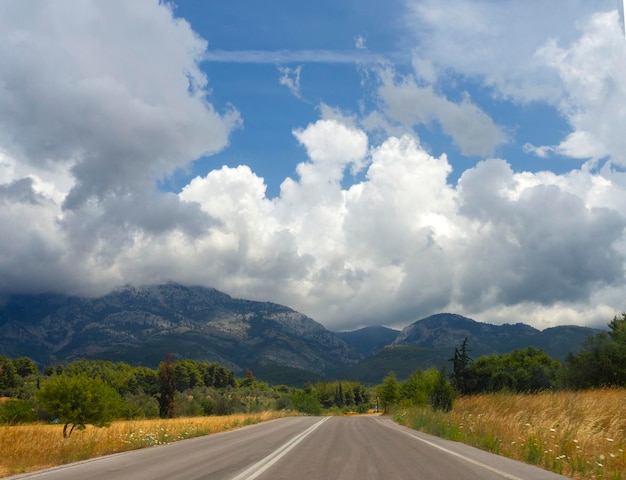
x,y
262,465
450,452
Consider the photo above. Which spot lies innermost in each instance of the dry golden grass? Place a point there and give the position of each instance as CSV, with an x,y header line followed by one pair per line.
x,y
26,448
577,434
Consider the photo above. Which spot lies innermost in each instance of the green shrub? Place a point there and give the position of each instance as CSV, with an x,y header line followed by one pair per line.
x,y
14,412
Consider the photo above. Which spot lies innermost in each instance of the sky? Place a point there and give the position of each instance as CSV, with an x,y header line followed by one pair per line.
x,y
363,162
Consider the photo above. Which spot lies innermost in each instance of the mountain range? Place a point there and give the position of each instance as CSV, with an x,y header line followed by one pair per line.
x,y
140,325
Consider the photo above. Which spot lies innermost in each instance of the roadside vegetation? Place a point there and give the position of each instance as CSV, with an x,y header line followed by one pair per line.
x,y
52,418
97,392
569,417
26,448
576,434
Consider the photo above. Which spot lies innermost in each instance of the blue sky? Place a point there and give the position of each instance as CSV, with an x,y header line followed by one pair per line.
x,y
364,162
333,46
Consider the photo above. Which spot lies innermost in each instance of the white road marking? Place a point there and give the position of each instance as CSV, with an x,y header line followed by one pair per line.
x,y
450,452
262,465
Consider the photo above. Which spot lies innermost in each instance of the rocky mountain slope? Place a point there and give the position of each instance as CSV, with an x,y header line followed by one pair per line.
x,y
445,331
141,325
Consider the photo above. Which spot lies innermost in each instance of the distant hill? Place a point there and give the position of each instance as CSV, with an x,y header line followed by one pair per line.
x,y
140,325
368,340
431,342
445,331
402,360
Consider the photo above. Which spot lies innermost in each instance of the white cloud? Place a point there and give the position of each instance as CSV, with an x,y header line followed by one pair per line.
x,y
290,78
403,243
593,72
496,42
283,57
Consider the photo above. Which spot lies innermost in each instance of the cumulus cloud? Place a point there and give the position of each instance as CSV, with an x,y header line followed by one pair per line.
x,y
80,88
542,245
403,243
593,71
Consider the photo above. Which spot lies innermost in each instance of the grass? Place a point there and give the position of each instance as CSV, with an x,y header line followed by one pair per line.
x,y
577,434
26,448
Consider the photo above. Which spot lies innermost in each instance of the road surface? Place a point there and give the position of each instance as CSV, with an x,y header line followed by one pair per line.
x,y
309,448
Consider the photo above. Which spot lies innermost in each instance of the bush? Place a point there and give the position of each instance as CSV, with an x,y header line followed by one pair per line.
x,y
442,395
306,403
14,412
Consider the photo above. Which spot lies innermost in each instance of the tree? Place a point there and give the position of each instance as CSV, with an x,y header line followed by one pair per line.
x,y
8,375
522,370
443,394
419,387
25,367
186,374
306,403
460,362
167,389
78,401
389,391
601,361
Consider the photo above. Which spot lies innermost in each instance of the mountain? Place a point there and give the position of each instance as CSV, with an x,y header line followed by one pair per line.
x,y
445,331
431,342
141,325
368,340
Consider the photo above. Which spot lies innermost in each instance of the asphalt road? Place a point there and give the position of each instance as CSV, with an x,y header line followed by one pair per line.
x,y
308,448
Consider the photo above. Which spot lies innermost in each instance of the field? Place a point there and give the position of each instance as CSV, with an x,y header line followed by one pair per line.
x,y
26,448
577,434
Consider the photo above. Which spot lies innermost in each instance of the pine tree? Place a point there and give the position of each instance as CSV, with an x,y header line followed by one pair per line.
x,y
167,389
460,362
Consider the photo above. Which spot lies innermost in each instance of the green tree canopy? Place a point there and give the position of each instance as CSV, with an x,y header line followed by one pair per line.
x,y
601,361
8,375
78,401
25,367
522,370
306,403
389,391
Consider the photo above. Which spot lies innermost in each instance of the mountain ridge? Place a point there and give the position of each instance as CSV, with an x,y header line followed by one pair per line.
x,y
148,322
140,325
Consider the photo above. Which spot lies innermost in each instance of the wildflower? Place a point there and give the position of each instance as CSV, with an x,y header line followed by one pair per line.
x,y
552,430
609,439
